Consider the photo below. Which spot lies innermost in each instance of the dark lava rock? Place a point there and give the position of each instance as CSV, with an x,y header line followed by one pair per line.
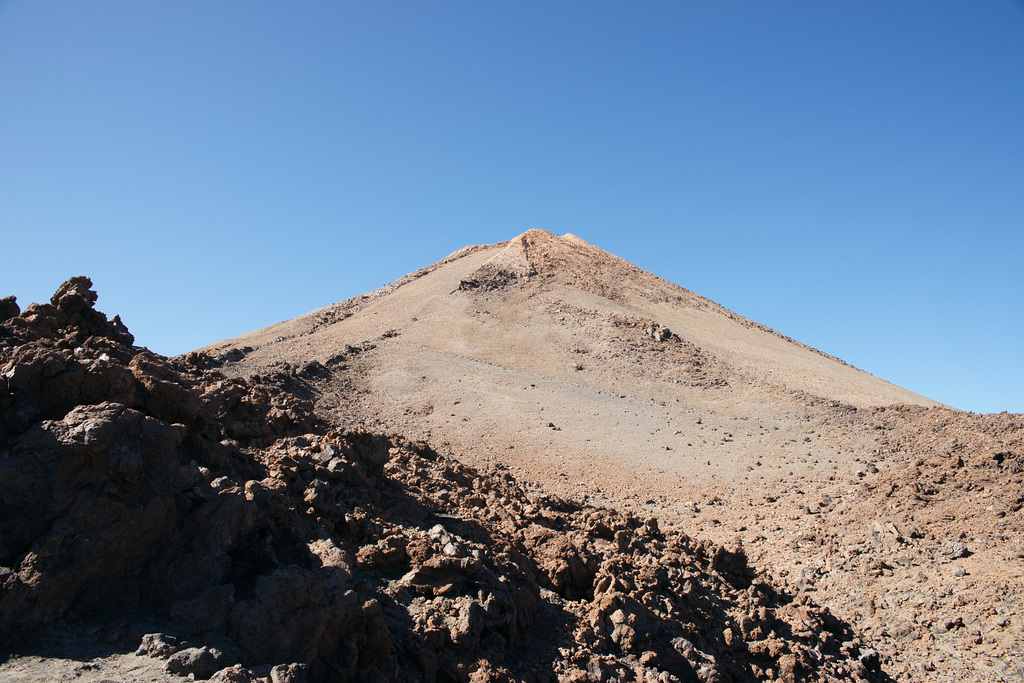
x,y
135,487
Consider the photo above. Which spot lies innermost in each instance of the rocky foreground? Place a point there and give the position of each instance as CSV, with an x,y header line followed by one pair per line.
x,y
223,527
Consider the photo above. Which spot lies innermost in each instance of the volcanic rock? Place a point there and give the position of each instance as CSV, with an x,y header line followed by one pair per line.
x,y
837,485
157,488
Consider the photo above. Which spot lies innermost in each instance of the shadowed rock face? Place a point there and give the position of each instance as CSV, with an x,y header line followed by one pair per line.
x,y
136,486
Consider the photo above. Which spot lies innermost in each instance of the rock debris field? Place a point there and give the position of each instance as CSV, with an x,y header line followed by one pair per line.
x,y
347,497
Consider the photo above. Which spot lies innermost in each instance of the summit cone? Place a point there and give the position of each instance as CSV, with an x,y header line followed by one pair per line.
x,y
603,383
573,367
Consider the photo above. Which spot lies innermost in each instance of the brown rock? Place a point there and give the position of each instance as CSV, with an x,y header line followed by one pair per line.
x,y
9,308
357,556
199,662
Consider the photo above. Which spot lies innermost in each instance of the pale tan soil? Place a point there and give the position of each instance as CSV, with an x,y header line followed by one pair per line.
x,y
486,370
543,361
72,654
115,668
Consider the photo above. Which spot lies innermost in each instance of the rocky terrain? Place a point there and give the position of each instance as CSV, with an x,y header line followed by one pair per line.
x,y
529,461
160,519
581,372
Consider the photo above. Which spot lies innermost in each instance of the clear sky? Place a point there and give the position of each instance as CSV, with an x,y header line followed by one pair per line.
x,y
848,173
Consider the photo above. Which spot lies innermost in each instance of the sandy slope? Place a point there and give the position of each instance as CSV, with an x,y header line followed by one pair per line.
x,y
555,332
531,278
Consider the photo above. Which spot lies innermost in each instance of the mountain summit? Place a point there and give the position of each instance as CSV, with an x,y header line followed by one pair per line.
x,y
567,363
605,383
539,254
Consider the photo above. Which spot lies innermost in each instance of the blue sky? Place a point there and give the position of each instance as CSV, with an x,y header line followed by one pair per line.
x,y
850,174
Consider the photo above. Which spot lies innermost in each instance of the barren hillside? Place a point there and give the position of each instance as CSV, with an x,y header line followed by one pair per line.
x,y
160,520
596,379
573,367
531,461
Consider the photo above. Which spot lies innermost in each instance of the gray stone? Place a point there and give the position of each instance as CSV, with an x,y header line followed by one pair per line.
x,y
159,645
289,673
201,662
957,550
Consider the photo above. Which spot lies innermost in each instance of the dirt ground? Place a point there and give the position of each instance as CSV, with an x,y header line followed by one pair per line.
x,y
67,654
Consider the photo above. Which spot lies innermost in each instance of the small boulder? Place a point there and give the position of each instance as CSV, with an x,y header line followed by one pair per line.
x,y
234,674
289,673
74,296
201,662
159,645
9,308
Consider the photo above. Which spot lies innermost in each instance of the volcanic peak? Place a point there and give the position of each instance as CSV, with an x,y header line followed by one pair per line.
x,y
538,251
554,261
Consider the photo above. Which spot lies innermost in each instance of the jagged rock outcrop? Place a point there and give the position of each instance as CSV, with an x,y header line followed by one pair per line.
x,y
135,486
9,308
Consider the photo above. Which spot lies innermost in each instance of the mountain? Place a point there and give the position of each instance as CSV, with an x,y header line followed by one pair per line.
x,y
604,383
574,367
710,500
535,301
160,520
